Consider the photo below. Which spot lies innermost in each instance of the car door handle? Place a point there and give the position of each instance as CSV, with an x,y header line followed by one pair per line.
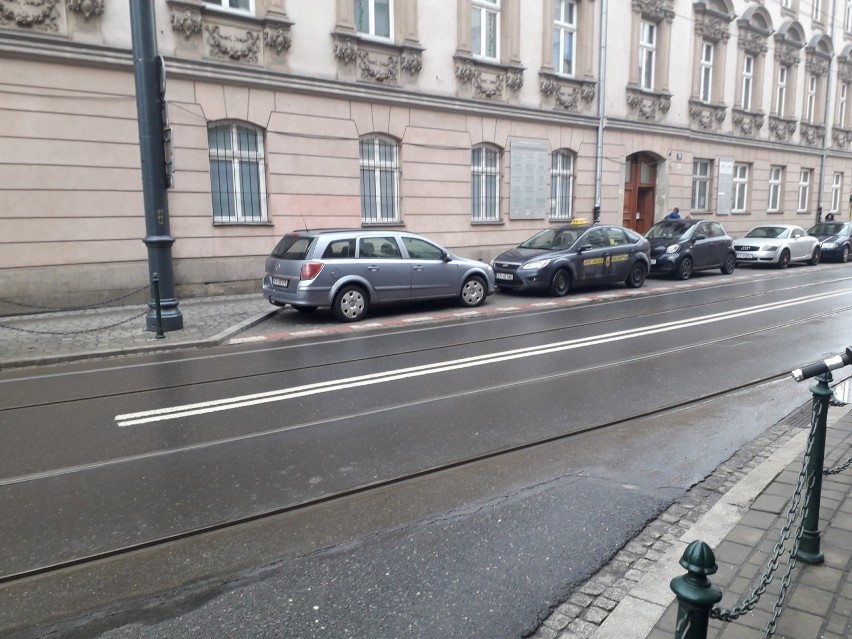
x,y
418,268
373,268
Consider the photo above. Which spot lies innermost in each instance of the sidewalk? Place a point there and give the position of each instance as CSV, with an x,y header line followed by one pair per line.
x,y
739,512
50,338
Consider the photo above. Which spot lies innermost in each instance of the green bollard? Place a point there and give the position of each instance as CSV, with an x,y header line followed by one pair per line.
x,y
809,543
696,596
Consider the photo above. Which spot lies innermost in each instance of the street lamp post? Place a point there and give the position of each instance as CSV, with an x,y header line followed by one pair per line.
x,y
158,239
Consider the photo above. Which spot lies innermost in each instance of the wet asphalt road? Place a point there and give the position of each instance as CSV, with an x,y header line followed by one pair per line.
x,y
485,560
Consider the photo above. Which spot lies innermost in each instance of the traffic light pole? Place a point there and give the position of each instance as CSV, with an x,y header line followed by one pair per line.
x,y
149,102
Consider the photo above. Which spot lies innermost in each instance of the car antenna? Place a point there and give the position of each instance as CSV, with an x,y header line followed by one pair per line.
x,y
303,221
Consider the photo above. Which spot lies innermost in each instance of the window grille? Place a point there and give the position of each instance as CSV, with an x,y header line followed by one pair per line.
x,y
379,159
561,183
485,184
237,173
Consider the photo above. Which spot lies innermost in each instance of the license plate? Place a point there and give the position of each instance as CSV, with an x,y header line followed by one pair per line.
x,y
745,256
503,276
280,281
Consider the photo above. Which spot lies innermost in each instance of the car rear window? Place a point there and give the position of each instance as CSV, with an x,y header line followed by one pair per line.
x,y
293,247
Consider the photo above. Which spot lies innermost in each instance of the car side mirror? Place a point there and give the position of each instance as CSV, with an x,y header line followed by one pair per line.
x,y
446,257
700,237
585,247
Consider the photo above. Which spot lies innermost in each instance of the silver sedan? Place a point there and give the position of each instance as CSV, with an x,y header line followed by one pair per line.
x,y
777,244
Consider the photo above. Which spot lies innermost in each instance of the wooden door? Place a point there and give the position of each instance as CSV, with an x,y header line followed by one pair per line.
x,y
640,180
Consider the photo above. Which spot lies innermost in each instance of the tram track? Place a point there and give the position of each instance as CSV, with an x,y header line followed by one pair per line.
x,y
446,345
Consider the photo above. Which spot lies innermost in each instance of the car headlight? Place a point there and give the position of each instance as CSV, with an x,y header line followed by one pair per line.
x,y
829,245
674,248
535,264
771,247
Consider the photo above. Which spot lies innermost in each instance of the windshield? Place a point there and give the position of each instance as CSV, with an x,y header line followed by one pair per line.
x,y
768,231
668,230
834,228
553,239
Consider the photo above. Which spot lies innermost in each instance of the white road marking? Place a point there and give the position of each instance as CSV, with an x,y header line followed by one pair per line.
x,y
201,408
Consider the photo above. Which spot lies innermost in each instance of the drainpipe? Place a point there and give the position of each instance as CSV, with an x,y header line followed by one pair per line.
x,y
601,109
825,139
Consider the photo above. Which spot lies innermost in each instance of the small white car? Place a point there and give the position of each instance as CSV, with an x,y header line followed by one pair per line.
x,y
777,244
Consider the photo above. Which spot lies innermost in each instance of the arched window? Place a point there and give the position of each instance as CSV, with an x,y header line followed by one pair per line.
x,y
561,184
379,158
237,172
485,183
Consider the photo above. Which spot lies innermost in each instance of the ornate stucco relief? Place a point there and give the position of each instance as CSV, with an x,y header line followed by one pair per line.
x,y
34,15
781,129
567,93
648,106
746,122
234,45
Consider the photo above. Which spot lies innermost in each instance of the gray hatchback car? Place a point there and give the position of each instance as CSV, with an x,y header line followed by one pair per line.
x,y
348,270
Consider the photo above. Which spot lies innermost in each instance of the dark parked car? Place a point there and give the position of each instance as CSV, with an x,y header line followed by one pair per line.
x,y
558,258
834,239
348,270
680,247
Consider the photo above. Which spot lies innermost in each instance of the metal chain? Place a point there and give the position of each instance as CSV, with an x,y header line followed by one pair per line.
x,y
85,330
748,604
73,308
838,469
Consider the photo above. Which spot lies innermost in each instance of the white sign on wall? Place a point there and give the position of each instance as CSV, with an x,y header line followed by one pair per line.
x,y
528,194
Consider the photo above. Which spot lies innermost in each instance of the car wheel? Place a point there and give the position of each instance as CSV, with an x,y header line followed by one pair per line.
x,y
784,260
815,257
561,283
472,291
350,304
844,254
637,276
305,309
730,264
684,271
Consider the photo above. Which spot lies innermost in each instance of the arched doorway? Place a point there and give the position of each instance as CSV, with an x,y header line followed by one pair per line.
x,y
640,183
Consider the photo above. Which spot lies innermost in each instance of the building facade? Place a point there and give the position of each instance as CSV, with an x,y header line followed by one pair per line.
x,y
475,122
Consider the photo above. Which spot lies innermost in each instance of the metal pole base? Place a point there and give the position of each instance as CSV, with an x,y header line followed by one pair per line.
x,y
809,548
171,316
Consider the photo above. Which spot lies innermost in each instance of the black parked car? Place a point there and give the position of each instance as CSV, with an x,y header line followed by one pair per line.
x,y
679,247
834,239
558,258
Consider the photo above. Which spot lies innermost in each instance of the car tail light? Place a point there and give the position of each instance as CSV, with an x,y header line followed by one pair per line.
x,y
310,270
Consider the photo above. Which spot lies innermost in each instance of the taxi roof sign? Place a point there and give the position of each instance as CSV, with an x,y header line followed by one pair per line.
x,y
580,220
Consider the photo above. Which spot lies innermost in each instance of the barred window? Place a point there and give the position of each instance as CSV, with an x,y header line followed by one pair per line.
x,y
561,184
485,184
379,159
237,173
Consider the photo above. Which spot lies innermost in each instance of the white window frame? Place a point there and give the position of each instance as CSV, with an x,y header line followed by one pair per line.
x,y
706,71
231,5
817,10
370,6
647,54
787,4
562,185
836,190
236,158
701,180
804,191
781,91
481,11
379,173
810,105
485,183
565,28
847,17
776,181
842,101
748,81
741,173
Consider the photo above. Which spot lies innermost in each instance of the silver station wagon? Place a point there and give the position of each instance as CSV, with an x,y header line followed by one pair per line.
x,y
348,270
